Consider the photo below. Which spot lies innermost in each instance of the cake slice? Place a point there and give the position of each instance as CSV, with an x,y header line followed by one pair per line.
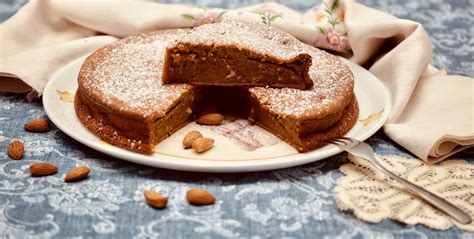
x,y
234,53
306,118
302,118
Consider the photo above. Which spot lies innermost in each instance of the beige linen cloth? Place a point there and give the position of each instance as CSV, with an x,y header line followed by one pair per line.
x,y
432,113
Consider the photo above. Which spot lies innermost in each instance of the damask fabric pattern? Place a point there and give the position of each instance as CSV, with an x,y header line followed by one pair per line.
x,y
295,202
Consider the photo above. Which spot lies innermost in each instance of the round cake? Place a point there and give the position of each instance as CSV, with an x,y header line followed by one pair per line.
x,y
121,98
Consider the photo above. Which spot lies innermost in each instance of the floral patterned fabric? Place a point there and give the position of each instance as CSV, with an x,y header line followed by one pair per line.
x,y
325,24
296,202
334,35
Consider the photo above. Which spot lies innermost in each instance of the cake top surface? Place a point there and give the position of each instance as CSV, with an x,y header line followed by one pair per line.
x,y
332,90
257,37
125,76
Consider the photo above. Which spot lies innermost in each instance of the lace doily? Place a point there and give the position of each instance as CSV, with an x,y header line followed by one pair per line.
x,y
372,196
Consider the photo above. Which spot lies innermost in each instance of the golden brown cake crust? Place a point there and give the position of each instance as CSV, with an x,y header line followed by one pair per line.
x,y
133,135
348,120
97,122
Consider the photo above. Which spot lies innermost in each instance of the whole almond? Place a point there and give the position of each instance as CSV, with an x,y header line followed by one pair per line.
x,y
201,145
16,149
190,137
77,173
155,199
37,125
211,119
42,169
199,196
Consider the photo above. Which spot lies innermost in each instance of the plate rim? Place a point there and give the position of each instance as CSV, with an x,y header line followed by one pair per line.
x,y
216,166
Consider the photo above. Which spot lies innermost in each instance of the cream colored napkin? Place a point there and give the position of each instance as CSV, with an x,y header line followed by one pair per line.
x,y
432,113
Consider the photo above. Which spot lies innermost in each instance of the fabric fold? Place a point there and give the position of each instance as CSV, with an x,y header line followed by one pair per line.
x,y
30,64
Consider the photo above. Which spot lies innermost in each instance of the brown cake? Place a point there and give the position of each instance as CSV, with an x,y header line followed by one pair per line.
x,y
235,53
121,98
304,118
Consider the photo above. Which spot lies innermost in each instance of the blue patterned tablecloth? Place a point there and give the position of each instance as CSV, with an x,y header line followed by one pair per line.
x,y
295,202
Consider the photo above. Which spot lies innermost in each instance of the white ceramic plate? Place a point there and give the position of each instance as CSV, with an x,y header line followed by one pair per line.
x,y
239,147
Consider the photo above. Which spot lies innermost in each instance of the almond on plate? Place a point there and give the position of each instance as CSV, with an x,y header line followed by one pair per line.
x,y
211,119
190,137
201,145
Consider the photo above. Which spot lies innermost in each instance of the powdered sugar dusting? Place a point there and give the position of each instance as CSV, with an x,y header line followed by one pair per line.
x,y
257,37
126,75
332,90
